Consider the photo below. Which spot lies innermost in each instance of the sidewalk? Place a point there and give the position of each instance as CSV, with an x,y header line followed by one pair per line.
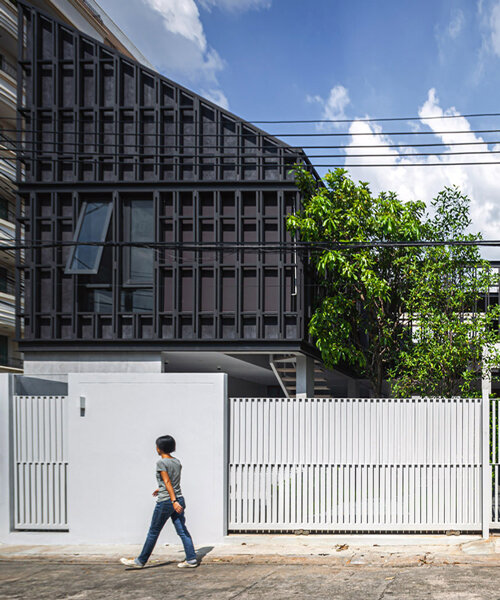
x,y
335,550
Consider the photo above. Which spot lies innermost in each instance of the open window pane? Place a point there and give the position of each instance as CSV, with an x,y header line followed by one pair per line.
x,y
92,226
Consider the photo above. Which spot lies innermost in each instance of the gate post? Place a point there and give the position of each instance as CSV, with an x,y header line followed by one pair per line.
x,y
486,487
6,471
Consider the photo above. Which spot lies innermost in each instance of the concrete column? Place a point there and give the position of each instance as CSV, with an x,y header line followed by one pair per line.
x,y
486,487
6,474
304,377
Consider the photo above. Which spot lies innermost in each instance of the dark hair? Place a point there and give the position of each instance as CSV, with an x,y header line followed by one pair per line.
x,y
166,443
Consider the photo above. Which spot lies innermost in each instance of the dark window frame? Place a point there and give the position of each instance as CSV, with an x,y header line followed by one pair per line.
x,y
69,269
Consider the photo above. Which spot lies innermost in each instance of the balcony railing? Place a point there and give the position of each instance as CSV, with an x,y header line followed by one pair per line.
x,y
8,17
8,67
7,285
11,362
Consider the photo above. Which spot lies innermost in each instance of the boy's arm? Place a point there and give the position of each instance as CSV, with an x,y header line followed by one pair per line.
x,y
170,489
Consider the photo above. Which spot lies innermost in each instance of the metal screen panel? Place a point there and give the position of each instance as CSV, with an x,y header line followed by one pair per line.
x,y
495,461
355,464
40,462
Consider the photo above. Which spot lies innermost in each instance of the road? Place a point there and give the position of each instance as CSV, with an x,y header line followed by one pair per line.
x,y
36,579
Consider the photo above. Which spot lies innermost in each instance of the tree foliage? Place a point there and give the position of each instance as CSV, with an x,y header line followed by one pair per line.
x,y
408,313
452,326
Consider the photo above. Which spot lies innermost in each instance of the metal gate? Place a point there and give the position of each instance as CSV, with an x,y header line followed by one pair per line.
x,y
40,462
495,461
355,464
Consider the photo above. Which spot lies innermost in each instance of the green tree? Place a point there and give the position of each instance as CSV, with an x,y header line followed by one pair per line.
x,y
446,306
360,314
411,314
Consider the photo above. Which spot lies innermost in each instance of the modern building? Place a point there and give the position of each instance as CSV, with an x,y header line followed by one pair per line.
x,y
158,221
88,17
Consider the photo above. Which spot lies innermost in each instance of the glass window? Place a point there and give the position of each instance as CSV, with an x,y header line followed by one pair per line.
x,y
137,301
139,227
4,349
92,227
3,280
4,209
103,301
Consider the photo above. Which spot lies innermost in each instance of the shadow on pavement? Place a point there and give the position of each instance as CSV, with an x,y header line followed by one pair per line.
x,y
202,552
152,566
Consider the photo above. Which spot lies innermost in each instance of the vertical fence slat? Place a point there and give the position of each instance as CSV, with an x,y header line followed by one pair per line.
x,y
40,462
351,464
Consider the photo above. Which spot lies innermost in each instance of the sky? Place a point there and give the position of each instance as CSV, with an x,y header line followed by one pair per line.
x,y
356,59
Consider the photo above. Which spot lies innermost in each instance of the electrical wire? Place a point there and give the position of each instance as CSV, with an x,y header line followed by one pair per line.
x,y
219,146
249,246
376,119
363,119
243,135
145,162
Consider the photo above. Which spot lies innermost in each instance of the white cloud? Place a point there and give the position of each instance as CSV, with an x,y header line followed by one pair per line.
x,y
494,23
334,106
481,183
181,17
235,5
182,50
216,96
456,24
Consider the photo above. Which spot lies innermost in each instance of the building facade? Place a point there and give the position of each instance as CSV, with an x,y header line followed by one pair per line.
x,y
155,222
87,16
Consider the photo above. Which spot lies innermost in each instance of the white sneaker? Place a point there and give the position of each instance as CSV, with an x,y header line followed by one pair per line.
x,y
131,562
187,565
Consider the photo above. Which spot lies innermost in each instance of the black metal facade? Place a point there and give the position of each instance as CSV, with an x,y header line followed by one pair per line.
x,y
100,128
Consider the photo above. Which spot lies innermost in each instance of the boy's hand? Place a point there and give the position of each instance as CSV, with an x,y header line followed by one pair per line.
x,y
155,493
178,507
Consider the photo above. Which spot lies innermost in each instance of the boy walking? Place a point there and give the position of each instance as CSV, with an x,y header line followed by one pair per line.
x,y
169,503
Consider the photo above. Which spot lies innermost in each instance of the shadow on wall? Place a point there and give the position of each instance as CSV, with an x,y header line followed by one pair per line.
x,y
34,386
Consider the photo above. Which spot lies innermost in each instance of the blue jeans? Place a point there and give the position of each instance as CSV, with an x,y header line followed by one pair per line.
x,y
162,512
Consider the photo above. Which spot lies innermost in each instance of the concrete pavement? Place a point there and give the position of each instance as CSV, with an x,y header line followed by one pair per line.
x,y
265,567
96,580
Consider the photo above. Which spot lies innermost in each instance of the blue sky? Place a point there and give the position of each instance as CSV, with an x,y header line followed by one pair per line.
x,y
286,59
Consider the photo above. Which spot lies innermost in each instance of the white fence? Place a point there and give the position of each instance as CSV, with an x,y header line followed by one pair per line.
x,y
355,464
39,462
495,460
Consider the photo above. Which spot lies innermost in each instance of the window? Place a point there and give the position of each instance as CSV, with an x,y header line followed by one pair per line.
x,y
3,280
139,227
4,349
4,209
92,227
102,301
137,300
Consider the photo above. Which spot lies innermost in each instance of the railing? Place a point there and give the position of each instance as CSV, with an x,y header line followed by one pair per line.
x,y
8,17
9,361
8,67
7,285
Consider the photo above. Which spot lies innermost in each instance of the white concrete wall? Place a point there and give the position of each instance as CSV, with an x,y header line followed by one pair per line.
x,y
5,453
112,456
57,365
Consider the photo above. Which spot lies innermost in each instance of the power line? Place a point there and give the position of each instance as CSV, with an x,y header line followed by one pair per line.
x,y
252,134
375,120
28,154
145,162
248,246
354,120
292,149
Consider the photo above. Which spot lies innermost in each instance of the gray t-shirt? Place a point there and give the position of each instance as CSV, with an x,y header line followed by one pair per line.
x,y
173,468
